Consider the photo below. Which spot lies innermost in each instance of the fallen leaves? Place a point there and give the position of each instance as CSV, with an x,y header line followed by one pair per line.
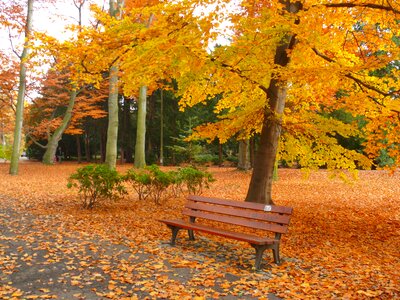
x,y
342,243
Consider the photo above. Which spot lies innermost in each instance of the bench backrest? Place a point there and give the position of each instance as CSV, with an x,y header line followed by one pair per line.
x,y
253,215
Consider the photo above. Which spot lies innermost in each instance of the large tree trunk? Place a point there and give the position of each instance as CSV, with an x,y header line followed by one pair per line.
x,y
19,114
260,188
140,159
52,144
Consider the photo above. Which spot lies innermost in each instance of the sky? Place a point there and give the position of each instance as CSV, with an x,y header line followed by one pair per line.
x,y
52,18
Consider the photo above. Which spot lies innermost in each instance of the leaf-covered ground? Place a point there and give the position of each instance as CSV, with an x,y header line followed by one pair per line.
x,y
343,242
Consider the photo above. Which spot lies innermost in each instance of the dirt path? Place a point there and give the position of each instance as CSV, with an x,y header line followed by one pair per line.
x,y
40,260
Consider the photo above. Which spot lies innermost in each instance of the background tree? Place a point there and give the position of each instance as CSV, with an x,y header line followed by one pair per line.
x,y
116,11
14,12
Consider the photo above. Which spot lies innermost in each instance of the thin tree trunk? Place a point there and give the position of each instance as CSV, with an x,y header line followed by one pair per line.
x,y
52,144
260,188
78,149
220,160
161,127
87,147
252,150
140,159
19,115
244,155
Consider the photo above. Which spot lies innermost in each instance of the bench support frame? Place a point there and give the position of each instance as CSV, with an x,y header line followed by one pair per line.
x,y
253,215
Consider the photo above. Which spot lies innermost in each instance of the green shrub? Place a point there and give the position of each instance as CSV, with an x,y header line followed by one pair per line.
x,y
206,158
140,179
160,181
96,182
150,182
154,183
194,179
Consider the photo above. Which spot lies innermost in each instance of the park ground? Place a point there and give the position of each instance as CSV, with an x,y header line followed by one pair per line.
x,y
343,241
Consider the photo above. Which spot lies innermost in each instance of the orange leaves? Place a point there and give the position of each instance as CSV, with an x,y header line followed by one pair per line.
x,y
342,243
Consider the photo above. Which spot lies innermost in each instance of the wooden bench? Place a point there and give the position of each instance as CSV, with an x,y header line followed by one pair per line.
x,y
266,220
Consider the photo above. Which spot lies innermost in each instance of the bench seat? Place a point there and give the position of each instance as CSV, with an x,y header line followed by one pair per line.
x,y
268,221
244,237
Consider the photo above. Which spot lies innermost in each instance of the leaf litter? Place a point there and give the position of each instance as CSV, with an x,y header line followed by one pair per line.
x,y
343,242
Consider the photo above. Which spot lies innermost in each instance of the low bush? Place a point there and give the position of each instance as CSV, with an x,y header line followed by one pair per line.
x,y
194,180
157,184
140,180
95,182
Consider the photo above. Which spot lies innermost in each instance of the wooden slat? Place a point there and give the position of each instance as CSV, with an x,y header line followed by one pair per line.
x,y
220,232
240,212
250,205
235,220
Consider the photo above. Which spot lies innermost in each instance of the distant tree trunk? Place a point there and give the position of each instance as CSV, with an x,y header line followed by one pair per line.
x,y
140,159
125,132
260,188
78,148
220,156
161,127
244,155
252,150
19,114
52,144
87,146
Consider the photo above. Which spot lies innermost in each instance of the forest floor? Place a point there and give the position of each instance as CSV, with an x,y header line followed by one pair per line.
x,y
343,241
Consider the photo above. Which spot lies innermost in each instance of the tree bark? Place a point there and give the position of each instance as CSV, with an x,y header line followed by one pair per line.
x,y
112,130
78,149
260,188
244,155
161,127
19,115
140,159
52,144
87,146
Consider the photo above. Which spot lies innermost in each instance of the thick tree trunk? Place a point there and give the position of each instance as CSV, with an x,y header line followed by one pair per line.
x,y
112,130
260,188
52,144
140,159
19,115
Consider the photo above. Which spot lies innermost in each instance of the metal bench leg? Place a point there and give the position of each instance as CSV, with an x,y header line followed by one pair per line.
x,y
191,235
259,254
275,253
175,231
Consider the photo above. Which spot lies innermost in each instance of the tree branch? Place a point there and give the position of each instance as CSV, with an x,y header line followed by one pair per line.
x,y
388,7
35,141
